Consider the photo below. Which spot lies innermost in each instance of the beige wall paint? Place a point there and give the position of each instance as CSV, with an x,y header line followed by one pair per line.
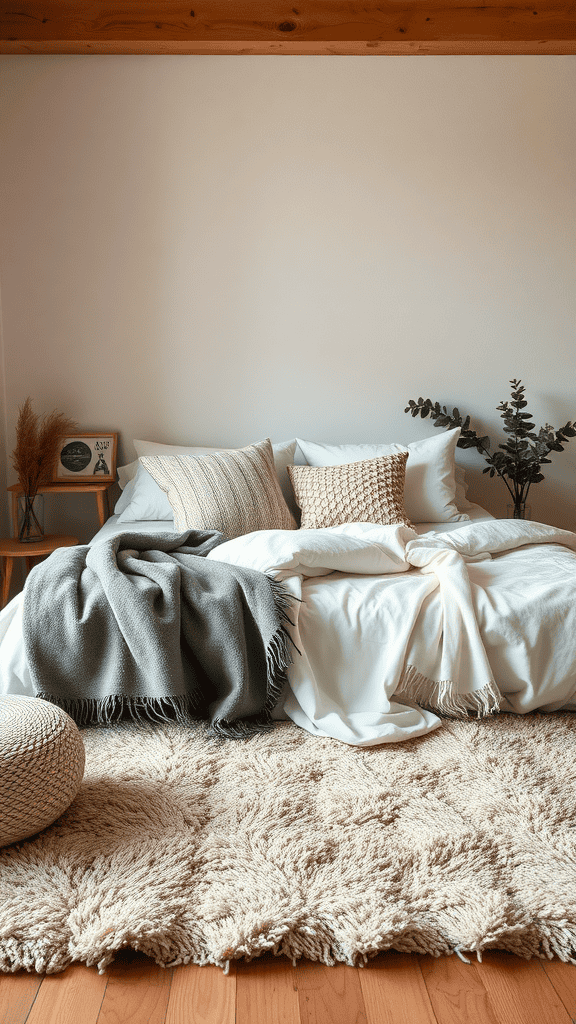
x,y
215,249
5,526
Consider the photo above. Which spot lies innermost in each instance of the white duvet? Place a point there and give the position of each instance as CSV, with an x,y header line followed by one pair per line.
x,y
478,618
481,617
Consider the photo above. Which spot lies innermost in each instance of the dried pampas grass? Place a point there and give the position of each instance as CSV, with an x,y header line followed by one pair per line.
x,y
34,456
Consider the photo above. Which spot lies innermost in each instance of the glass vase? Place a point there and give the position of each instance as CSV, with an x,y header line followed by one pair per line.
x,y
519,510
30,518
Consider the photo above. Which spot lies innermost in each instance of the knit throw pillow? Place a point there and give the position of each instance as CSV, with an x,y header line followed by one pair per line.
x,y
235,491
371,491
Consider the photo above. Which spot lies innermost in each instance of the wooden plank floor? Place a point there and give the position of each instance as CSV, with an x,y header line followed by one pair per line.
x,y
394,988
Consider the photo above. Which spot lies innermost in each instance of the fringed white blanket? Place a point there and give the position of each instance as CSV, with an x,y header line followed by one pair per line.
x,y
392,627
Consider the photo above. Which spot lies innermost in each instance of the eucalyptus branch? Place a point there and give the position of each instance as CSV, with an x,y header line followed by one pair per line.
x,y
468,438
518,461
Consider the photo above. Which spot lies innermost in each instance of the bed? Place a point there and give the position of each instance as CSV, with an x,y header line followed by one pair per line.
x,y
408,602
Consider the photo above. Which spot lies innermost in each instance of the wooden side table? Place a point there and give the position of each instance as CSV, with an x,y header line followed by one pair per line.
x,y
100,489
11,548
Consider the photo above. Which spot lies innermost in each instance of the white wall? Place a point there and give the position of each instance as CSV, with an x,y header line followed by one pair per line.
x,y
215,249
5,525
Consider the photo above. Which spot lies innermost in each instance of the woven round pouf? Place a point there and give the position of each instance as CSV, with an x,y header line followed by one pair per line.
x,y
41,765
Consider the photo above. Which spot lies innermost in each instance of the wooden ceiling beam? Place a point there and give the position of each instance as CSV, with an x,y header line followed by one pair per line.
x,y
271,27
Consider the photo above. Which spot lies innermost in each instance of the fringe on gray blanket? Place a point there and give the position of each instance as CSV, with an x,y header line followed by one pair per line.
x,y
278,657
109,710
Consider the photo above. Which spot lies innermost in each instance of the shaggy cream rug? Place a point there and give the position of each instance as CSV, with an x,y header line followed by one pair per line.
x,y
196,849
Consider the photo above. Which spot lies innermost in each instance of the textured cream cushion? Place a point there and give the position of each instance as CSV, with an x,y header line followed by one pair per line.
x,y
371,491
235,491
142,499
41,765
430,486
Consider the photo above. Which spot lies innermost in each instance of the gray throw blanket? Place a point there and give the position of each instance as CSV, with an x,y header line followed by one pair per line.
x,y
145,625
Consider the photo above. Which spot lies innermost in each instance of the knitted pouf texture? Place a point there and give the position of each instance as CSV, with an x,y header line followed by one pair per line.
x,y
41,765
197,849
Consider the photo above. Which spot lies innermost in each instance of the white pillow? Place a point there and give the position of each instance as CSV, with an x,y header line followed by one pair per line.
x,y
127,473
142,498
430,486
462,489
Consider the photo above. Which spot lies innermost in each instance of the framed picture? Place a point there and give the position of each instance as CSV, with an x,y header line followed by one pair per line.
x,y
86,457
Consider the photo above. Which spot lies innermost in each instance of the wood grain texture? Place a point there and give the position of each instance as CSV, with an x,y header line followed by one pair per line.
x,y
503,989
17,994
72,997
563,978
137,991
266,991
516,989
456,992
394,990
202,995
269,26
329,994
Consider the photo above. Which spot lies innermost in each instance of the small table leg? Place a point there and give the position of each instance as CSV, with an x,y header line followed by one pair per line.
x,y
6,579
101,513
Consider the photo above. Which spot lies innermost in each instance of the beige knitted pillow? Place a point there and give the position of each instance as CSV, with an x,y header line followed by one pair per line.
x,y
234,491
371,491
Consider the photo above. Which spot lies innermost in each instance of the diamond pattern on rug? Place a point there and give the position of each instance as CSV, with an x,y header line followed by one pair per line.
x,y
196,849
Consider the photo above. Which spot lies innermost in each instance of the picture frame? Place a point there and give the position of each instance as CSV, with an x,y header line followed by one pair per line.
x,y
86,457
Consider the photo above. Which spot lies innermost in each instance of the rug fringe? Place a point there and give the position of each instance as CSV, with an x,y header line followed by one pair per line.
x,y
442,695
35,956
